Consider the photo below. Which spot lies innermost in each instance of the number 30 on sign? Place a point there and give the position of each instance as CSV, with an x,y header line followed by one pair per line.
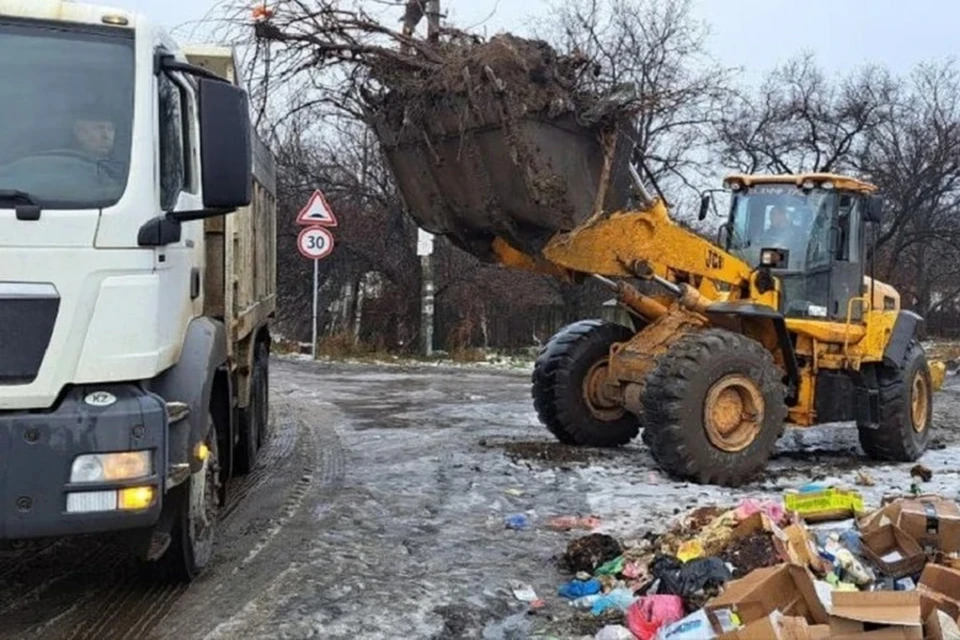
x,y
315,242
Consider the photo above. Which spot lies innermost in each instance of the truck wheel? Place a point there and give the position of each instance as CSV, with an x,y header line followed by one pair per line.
x,y
197,502
253,421
906,401
715,403
263,359
568,391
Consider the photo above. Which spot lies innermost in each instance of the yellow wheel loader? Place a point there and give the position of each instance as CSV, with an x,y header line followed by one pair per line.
x,y
777,321
780,321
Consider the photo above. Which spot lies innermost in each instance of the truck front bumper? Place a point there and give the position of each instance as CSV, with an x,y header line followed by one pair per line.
x,y
37,450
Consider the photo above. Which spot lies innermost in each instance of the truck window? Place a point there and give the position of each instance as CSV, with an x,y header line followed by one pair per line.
x,y
190,117
172,166
67,94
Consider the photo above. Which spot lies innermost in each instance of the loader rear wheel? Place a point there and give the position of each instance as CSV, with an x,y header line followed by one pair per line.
x,y
715,407
906,399
568,386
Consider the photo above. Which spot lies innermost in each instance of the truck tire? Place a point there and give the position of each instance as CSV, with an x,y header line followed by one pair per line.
x,y
253,421
264,360
715,407
567,368
906,401
197,505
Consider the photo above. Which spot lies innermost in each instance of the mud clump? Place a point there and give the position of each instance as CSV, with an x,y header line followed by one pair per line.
x,y
589,552
754,551
548,452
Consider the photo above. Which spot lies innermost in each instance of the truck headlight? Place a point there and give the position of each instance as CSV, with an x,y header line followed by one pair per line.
x,y
108,467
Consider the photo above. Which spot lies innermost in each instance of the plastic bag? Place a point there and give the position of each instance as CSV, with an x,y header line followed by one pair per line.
x,y
614,632
647,615
750,506
611,568
579,588
617,599
690,579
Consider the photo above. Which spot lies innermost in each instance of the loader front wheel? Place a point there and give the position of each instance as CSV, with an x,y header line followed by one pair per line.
x,y
906,400
714,405
568,389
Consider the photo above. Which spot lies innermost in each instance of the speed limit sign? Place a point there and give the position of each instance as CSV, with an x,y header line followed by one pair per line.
x,y
315,242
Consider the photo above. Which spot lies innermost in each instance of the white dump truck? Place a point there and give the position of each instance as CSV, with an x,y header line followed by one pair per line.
x,y
137,281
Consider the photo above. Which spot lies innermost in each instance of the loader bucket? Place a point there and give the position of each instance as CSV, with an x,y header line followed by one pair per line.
x,y
522,179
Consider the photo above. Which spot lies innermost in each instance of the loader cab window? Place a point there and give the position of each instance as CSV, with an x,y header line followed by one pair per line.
x,y
782,217
819,229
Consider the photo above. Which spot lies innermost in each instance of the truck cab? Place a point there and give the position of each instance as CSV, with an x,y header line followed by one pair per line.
x,y
129,382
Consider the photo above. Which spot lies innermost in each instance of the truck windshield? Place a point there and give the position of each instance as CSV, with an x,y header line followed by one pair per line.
x,y
783,217
67,96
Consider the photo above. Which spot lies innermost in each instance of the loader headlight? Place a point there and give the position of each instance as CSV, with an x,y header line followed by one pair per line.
x,y
108,467
773,258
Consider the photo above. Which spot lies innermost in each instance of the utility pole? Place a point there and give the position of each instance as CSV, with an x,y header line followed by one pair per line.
x,y
425,251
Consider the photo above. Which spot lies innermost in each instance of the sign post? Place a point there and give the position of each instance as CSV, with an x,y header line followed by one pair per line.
x,y
315,242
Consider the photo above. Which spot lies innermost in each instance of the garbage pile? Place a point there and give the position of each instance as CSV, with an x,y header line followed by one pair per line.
x,y
816,565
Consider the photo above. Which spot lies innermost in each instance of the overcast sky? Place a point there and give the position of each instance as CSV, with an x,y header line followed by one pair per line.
x,y
753,34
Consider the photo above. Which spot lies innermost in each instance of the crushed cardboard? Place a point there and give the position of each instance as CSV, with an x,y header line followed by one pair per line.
x,y
933,521
897,612
785,587
894,551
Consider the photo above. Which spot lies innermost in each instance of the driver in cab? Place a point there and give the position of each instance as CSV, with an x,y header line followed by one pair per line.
x,y
780,232
94,136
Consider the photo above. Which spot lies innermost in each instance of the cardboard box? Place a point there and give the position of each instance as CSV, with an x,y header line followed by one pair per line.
x,y
777,626
893,551
940,586
940,626
876,614
784,587
932,521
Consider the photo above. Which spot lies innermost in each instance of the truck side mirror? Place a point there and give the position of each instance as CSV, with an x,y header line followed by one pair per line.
x,y
226,149
874,210
705,201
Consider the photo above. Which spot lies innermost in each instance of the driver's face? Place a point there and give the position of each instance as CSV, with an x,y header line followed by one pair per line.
x,y
96,136
778,219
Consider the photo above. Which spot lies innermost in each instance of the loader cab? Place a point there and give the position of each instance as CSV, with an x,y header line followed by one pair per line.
x,y
810,231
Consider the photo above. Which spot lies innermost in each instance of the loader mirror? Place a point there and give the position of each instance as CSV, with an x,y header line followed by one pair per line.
x,y
874,211
705,200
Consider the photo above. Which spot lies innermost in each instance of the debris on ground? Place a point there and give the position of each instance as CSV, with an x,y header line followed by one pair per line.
x,y
828,567
864,479
922,472
648,614
517,521
525,593
579,588
614,632
590,551
751,552
568,523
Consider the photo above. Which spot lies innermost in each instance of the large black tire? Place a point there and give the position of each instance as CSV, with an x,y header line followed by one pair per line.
x,y
196,504
263,358
711,371
253,422
558,386
901,435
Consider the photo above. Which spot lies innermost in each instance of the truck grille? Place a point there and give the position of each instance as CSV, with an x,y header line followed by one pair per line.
x,y
28,313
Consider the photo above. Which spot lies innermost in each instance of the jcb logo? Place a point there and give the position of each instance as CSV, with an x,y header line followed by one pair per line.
x,y
714,260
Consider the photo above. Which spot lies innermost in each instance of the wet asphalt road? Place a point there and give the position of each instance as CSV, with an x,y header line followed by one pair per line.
x,y
377,511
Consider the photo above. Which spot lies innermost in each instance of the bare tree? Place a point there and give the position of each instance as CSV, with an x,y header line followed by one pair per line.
x,y
660,48
800,121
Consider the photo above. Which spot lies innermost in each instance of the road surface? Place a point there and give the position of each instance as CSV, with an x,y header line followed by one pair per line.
x,y
377,511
